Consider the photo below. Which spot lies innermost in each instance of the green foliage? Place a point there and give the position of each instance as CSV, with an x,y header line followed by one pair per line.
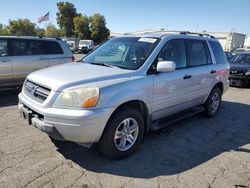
x,y
99,31
67,12
22,27
52,31
81,27
4,30
40,32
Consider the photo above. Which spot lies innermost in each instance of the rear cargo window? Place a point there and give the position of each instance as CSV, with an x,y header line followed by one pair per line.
x,y
218,52
53,48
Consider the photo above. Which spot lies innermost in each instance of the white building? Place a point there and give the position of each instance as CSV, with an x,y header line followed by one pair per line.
x,y
247,42
229,40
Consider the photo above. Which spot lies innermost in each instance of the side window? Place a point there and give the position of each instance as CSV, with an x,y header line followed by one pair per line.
x,y
36,47
53,48
197,53
174,50
19,47
3,47
218,52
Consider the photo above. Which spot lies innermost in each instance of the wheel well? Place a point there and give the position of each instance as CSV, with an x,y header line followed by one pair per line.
x,y
220,86
140,106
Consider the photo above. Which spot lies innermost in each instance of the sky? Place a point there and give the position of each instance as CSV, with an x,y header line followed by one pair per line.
x,y
134,15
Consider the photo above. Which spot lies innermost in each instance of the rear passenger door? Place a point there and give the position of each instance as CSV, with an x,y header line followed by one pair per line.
x,y
201,70
55,53
27,56
5,63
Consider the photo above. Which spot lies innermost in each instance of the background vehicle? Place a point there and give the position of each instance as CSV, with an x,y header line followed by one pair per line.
x,y
239,50
125,87
19,56
85,46
240,69
228,55
73,43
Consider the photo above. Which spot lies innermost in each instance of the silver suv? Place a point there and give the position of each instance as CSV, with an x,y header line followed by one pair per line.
x,y
126,87
19,56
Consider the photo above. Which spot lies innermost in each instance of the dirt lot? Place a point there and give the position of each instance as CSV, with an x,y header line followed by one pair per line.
x,y
196,152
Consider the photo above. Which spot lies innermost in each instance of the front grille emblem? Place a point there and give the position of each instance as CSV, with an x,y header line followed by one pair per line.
x,y
33,90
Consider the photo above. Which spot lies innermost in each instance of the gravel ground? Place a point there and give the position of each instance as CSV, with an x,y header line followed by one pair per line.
x,y
196,152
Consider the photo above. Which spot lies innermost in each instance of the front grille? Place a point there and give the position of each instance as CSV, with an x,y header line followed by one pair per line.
x,y
35,91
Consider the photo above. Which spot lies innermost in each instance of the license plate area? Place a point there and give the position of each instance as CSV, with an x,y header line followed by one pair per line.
x,y
26,114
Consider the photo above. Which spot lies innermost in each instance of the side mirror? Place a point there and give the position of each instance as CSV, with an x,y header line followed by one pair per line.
x,y
166,66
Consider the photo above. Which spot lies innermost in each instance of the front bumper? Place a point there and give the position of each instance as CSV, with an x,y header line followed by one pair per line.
x,y
239,80
81,126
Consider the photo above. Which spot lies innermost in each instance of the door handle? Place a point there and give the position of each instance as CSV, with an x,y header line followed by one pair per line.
x,y
187,76
212,71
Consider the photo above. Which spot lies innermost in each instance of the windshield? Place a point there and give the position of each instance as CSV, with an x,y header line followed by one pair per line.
x,y
240,59
84,42
125,52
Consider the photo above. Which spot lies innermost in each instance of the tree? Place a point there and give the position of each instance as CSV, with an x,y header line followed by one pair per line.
x,y
4,30
52,31
81,27
40,32
98,28
22,27
67,12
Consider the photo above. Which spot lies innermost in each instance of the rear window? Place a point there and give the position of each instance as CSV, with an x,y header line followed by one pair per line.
x,y
218,52
53,48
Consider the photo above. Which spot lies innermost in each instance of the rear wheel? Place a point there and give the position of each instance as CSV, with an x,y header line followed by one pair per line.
x,y
213,102
123,134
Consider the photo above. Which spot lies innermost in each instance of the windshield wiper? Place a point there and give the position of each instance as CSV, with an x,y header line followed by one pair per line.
x,y
105,64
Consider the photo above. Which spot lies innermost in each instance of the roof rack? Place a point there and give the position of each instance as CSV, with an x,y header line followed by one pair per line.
x,y
195,33
26,36
164,32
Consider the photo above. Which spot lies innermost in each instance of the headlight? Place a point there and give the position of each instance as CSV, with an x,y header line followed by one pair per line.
x,y
247,73
82,97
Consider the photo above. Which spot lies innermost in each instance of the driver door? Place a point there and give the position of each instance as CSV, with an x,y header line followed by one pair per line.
x,y
171,90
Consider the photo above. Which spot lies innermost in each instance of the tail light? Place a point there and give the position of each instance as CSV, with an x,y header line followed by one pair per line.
x,y
73,58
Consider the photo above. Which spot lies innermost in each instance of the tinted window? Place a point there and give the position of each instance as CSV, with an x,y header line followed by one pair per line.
x,y
218,52
197,53
27,47
174,50
3,47
53,48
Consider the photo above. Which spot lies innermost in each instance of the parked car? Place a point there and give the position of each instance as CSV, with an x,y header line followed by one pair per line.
x,y
239,50
73,43
19,56
85,46
126,87
228,55
240,69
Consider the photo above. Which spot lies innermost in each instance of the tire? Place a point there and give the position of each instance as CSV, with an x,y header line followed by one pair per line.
x,y
213,103
111,143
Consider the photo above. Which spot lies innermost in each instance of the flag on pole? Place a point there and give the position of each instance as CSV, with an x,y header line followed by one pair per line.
x,y
43,18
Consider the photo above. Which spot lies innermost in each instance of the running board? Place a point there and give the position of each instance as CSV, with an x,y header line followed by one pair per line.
x,y
161,123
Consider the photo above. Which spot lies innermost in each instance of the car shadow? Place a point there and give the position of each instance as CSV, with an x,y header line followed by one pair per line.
x,y
9,97
175,149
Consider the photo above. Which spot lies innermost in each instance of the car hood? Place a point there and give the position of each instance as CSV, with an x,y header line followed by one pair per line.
x,y
68,75
239,67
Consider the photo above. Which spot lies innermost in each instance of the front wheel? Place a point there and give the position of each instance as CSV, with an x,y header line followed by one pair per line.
x,y
213,102
123,134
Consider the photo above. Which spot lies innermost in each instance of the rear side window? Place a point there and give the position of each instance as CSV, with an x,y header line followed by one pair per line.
x,y
218,52
198,53
3,47
174,50
27,47
53,48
